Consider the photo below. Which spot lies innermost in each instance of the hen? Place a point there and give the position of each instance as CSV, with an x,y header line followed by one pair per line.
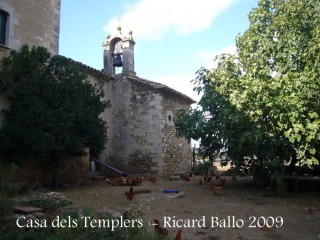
x,y
264,227
215,189
308,210
222,182
185,176
153,179
109,181
137,180
121,180
130,194
207,178
200,181
178,236
162,231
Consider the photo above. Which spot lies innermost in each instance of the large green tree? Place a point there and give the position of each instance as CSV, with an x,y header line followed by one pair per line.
x,y
274,81
54,111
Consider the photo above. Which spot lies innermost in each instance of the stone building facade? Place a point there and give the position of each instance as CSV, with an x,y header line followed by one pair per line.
x,y
31,22
141,132
142,135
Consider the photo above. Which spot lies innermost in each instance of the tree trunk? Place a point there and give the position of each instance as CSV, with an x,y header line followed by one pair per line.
x,y
211,158
292,164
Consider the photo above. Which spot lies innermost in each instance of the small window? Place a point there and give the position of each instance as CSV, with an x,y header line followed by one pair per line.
x,y
3,27
169,119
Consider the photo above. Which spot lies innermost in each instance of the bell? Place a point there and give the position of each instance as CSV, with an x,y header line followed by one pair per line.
x,y
117,62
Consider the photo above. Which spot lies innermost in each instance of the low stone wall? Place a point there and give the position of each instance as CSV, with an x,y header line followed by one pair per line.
x,y
72,171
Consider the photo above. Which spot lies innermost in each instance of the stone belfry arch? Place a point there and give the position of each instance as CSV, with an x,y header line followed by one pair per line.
x,y
124,47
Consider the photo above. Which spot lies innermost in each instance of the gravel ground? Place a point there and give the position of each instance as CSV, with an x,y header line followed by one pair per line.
x,y
235,213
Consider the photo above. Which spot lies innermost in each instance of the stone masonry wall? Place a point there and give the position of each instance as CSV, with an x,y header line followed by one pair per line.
x,y
118,141
33,22
133,122
73,170
141,139
176,151
145,119
29,22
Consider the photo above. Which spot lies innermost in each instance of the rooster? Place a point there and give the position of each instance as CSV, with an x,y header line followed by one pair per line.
x,y
215,189
130,194
178,236
162,231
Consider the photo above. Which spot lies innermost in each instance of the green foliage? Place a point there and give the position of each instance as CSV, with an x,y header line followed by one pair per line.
x,y
7,191
221,126
54,112
7,171
262,105
202,168
5,200
79,233
49,206
279,87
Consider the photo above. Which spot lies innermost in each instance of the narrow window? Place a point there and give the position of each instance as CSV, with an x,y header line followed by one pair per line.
x,y
3,27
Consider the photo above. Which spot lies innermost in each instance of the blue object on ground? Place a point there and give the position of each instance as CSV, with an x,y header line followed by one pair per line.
x,y
170,191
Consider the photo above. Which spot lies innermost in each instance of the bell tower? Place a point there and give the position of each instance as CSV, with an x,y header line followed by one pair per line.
x,y
119,52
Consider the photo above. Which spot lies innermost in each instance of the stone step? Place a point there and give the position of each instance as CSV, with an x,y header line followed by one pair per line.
x,y
28,209
97,175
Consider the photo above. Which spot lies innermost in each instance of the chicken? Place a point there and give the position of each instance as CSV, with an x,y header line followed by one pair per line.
x,y
215,189
109,181
207,178
222,182
185,176
130,194
128,181
178,235
137,180
153,179
162,231
264,227
126,215
308,210
200,181
121,180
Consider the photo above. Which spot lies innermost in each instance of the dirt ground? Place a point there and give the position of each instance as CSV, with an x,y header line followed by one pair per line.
x,y
233,214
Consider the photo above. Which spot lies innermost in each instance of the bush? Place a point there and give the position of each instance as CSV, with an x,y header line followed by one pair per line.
x,y
203,168
7,191
78,233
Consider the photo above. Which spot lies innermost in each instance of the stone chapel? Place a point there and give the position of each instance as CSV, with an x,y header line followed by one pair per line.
x,y
141,131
